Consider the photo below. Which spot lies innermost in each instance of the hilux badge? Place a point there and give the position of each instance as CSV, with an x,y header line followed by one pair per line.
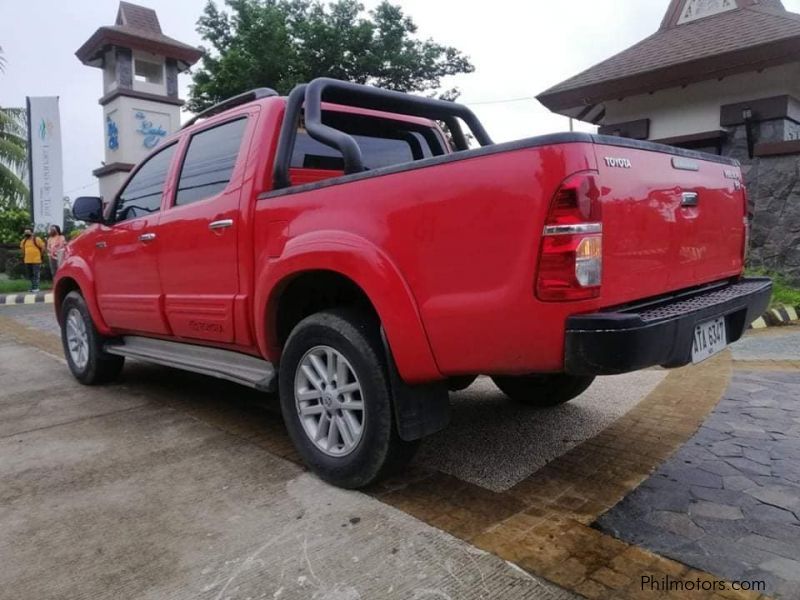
x,y
618,163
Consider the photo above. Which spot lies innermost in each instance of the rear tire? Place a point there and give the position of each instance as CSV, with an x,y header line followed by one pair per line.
x,y
83,346
333,376
542,391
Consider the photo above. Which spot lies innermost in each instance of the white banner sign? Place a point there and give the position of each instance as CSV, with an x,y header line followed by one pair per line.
x,y
47,186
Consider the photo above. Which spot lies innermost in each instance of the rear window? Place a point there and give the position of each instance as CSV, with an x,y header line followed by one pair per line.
x,y
209,162
383,143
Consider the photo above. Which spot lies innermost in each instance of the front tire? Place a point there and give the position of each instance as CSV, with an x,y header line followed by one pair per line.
x,y
543,391
83,346
336,399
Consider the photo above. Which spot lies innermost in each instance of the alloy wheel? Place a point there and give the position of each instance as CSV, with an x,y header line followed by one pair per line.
x,y
329,401
77,338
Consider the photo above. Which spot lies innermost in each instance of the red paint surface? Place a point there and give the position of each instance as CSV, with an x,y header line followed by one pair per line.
x,y
447,254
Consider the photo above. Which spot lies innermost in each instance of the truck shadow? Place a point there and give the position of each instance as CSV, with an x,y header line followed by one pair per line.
x,y
491,441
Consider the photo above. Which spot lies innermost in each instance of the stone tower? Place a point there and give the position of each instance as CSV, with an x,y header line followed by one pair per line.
x,y
140,88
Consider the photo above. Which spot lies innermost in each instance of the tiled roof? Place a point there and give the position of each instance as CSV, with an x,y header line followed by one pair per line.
x,y
137,27
684,53
138,17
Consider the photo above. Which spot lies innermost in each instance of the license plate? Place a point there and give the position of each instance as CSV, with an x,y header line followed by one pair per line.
x,y
710,338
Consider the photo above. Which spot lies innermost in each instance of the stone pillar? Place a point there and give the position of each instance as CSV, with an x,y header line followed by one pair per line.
x,y
773,184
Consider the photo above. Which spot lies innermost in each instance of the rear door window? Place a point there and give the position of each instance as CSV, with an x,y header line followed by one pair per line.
x,y
209,162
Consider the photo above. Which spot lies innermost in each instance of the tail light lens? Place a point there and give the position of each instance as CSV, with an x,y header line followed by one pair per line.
x,y
571,260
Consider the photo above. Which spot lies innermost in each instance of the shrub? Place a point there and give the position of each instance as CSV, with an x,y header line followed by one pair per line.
x,y
12,222
15,268
783,292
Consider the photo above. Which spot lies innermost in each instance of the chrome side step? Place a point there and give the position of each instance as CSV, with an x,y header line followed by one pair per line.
x,y
224,364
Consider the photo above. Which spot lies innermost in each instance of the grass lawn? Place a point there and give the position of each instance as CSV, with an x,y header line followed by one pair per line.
x,y
782,292
15,286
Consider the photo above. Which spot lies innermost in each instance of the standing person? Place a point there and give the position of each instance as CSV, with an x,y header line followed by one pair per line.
x,y
32,249
55,247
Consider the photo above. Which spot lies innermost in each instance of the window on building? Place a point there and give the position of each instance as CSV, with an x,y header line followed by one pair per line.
x,y
142,195
209,162
146,71
697,9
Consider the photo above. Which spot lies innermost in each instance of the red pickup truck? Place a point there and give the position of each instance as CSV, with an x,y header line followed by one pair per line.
x,y
337,246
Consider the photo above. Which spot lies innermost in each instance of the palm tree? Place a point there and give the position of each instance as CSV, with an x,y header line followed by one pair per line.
x,y
13,153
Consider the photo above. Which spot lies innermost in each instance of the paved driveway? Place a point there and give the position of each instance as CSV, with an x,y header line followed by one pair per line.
x,y
167,484
729,500
120,492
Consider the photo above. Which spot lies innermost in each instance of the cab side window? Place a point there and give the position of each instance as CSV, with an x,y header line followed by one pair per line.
x,y
209,162
142,195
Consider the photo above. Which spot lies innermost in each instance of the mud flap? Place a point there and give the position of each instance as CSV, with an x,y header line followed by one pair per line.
x,y
420,410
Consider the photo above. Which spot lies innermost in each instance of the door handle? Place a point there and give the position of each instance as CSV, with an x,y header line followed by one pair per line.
x,y
222,224
100,244
147,237
690,199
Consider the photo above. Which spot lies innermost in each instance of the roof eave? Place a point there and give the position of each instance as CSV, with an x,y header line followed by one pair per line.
x,y
754,58
94,47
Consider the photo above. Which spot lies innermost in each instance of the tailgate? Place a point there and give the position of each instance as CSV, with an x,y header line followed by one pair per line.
x,y
670,221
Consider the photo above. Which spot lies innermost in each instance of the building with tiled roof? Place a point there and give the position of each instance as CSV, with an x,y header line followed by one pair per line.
x,y
137,28
721,76
707,52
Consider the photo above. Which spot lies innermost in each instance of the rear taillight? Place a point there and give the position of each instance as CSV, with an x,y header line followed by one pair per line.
x,y
571,260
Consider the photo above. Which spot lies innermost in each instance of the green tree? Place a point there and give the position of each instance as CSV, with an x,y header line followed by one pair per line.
x,y
13,154
13,221
280,43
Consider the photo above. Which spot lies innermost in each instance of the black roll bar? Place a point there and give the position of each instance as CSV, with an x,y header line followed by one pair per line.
x,y
311,96
287,137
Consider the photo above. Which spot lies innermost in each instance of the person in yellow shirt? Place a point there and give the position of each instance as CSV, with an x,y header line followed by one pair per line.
x,y
32,249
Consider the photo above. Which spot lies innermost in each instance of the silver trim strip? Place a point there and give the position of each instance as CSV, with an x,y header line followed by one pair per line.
x,y
224,223
224,364
573,229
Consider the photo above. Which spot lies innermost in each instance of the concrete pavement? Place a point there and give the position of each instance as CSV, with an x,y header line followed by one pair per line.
x,y
524,485
115,493
490,442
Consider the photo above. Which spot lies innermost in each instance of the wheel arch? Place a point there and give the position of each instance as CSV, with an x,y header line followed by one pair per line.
x,y
361,273
75,275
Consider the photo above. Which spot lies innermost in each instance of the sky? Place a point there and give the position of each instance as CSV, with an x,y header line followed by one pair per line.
x,y
519,48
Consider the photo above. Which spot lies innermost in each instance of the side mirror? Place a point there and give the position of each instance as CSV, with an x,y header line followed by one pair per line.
x,y
88,208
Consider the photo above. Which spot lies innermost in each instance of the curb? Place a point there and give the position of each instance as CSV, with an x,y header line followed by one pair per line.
x,y
40,298
776,317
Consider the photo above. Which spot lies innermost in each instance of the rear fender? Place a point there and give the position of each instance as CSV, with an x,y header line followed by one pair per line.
x,y
366,266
